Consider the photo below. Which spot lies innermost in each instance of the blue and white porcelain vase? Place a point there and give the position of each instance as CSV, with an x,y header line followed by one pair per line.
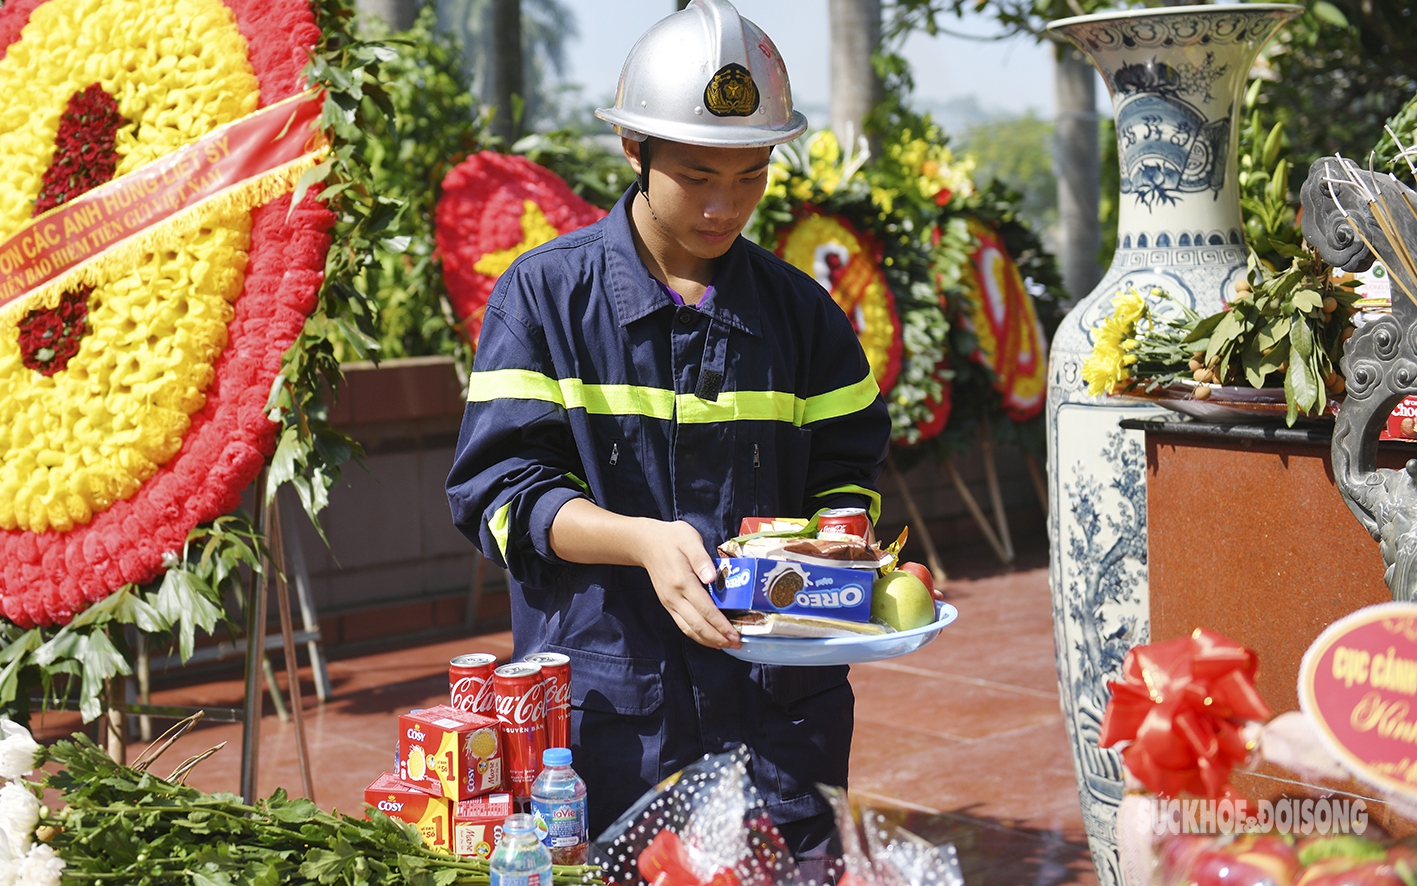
x,y
1177,76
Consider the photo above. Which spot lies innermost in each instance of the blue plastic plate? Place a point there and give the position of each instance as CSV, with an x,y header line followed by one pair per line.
x,y
842,650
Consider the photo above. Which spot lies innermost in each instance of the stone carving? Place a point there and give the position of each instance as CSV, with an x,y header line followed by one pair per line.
x,y
1380,360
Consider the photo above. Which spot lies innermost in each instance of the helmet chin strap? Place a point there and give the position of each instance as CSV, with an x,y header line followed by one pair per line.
x,y
644,168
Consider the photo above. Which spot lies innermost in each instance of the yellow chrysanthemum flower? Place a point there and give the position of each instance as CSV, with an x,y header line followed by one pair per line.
x,y
73,443
1113,343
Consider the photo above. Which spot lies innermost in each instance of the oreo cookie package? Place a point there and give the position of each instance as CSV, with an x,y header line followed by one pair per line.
x,y
768,585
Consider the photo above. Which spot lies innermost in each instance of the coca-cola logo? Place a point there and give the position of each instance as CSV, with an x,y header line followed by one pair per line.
x,y
558,694
521,710
474,694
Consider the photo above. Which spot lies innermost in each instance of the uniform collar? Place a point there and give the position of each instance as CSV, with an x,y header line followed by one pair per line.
x,y
734,301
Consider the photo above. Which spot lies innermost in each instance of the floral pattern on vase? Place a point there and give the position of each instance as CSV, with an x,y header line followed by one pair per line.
x,y
1176,76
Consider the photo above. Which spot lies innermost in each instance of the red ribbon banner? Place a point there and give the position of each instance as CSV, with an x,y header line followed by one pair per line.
x,y
69,237
1181,704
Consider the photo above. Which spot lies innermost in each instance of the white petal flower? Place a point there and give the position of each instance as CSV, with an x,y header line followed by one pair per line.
x,y
40,868
19,816
18,750
9,870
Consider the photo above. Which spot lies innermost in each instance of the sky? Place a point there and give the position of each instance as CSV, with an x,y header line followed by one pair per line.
x,y
1005,77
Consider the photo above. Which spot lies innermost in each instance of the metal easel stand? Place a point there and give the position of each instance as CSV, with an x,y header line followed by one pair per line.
x,y
268,519
137,699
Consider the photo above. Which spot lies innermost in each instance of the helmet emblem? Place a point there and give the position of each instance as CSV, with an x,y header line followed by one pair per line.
x,y
731,92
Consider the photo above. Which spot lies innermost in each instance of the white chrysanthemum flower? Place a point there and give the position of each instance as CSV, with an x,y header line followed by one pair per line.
x,y
18,749
42,867
19,816
9,870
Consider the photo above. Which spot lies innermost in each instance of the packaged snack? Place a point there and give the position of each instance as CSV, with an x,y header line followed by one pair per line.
x,y
457,754
477,824
432,815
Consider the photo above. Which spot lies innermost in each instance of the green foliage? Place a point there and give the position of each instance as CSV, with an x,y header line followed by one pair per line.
x,y
122,824
1403,125
435,124
1340,71
1018,151
598,174
1293,322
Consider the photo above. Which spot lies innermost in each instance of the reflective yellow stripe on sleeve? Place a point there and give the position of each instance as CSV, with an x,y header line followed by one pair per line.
x,y
500,527
842,401
873,511
664,404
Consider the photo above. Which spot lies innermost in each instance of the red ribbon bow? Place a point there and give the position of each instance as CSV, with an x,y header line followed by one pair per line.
x,y
1181,705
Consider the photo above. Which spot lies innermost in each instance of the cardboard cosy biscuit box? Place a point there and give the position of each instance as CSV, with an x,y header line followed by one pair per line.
x,y
432,815
793,588
454,753
477,824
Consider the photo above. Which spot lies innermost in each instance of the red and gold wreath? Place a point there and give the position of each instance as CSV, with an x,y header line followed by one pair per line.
x,y
494,207
1001,315
848,265
132,411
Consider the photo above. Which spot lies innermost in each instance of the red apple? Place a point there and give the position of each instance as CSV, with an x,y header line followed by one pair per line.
x,y
921,572
1269,853
1179,854
1220,868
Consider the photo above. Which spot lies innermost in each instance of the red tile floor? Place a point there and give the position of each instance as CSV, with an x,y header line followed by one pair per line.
x,y
961,741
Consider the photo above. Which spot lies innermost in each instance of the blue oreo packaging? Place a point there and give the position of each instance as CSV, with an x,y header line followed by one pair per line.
x,y
793,588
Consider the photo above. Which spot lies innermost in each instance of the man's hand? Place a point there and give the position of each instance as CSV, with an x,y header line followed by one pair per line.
x,y
672,553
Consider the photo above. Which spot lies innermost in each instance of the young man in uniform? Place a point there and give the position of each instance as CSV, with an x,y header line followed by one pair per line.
x,y
640,386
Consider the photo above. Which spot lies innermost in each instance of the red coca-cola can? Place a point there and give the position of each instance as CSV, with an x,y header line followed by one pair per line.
x,y
470,681
521,712
843,523
556,689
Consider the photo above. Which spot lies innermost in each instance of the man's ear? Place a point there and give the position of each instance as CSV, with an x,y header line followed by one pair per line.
x,y
632,153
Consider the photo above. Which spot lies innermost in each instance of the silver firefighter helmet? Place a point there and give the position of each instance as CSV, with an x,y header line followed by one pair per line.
x,y
705,76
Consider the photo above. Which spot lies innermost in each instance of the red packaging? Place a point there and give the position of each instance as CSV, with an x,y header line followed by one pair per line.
x,y
750,525
843,523
470,681
451,752
521,711
406,802
1402,424
477,824
556,690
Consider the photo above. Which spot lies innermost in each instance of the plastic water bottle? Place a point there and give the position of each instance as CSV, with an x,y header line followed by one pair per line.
x,y
558,808
520,859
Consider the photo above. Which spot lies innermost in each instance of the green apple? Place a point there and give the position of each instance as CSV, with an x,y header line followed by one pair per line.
x,y
902,601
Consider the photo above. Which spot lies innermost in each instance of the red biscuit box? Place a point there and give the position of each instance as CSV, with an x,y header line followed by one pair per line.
x,y
454,753
477,824
433,816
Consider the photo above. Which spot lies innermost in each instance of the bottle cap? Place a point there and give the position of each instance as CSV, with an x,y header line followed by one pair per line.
x,y
556,757
518,821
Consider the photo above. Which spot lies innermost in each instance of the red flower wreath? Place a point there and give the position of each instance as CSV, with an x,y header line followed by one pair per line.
x,y
485,218
47,577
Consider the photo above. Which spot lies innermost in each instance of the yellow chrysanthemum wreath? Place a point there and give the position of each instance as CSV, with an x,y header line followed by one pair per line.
x,y
73,443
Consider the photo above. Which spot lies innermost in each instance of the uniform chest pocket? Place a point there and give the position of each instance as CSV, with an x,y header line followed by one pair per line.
x,y
620,469
773,462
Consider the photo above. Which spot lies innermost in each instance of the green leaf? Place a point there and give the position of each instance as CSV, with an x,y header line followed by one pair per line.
x,y
217,878
1205,327
1272,144
1273,332
1286,249
1299,389
1327,12
1251,360
101,660
16,658
311,176
1302,338
289,453
1307,300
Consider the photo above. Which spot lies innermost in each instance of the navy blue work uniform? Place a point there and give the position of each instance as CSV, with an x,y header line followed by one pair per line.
x,y
590,382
